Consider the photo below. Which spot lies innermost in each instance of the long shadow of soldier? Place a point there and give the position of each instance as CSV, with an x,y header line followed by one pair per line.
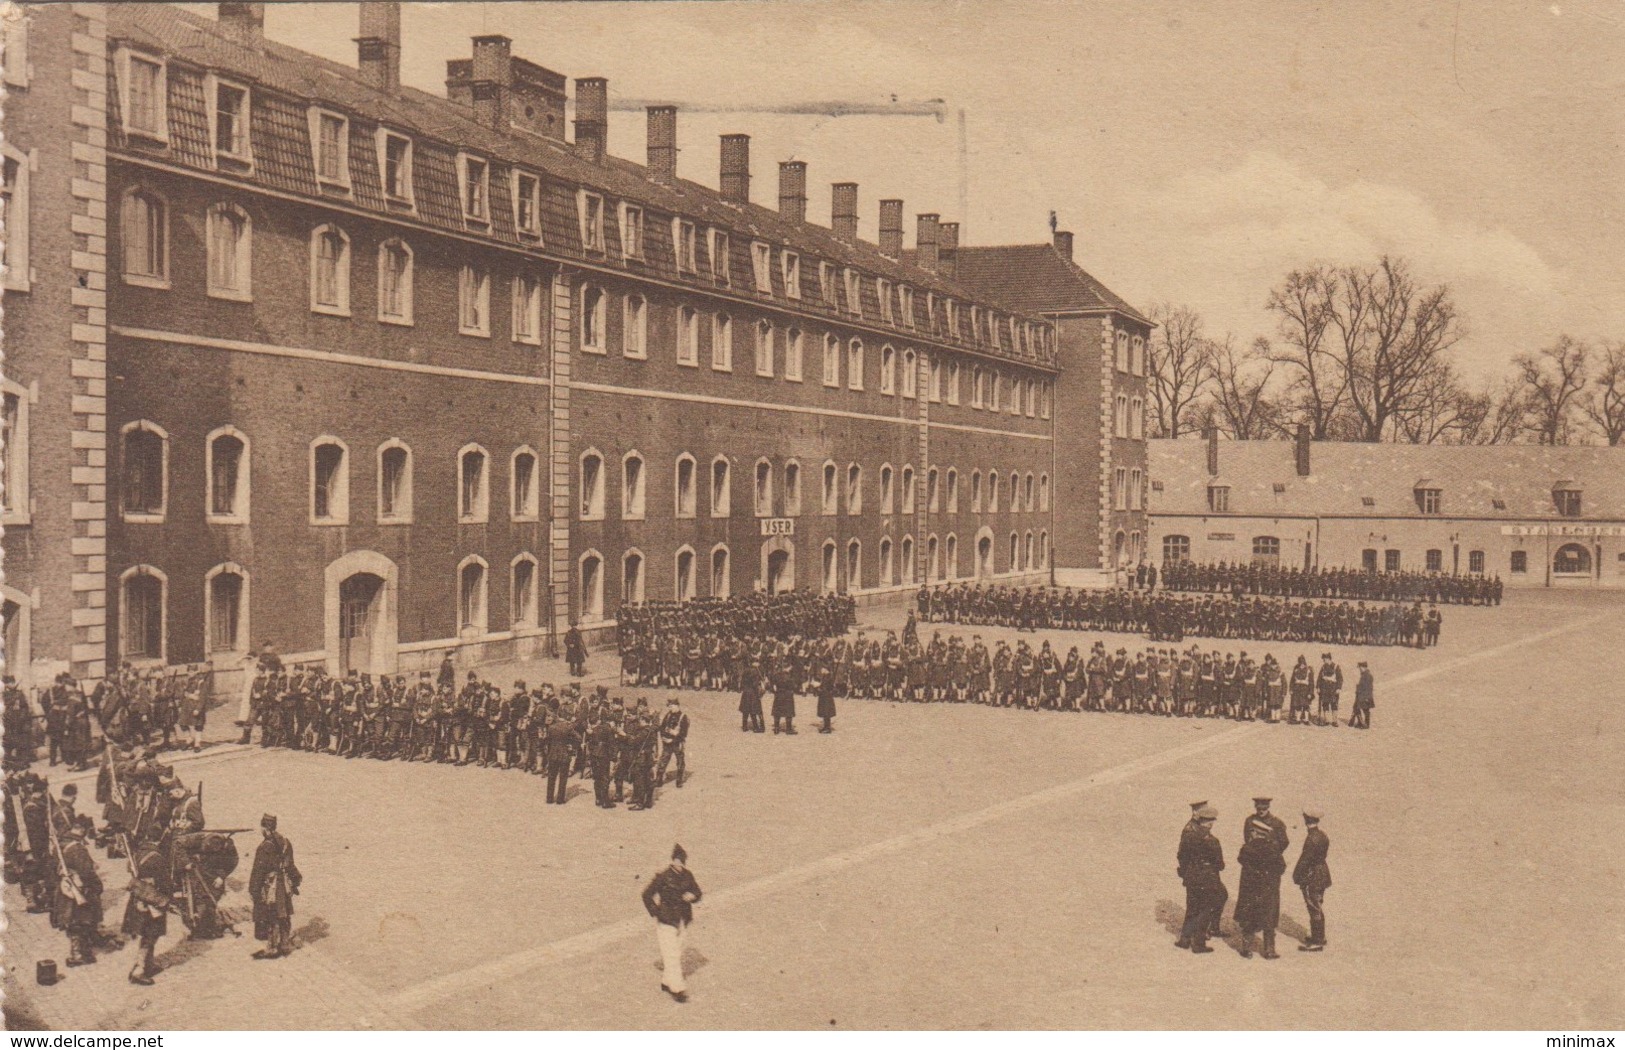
x,y
1172,917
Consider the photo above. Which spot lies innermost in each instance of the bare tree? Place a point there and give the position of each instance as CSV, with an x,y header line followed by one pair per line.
x,y
1241,404
1443,410
1304,304
1495,415
1181,367
1606,405
1552,381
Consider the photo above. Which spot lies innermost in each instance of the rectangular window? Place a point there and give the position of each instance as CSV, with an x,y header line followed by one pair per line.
x,y
1390,560
146,237
146,101
1568,502
474,185
905,304
394,283
688,336
790,263
527,309
764,349
1434,560
1218,499
330,272
395,164
14,450
14,196
230,122
761,257
685,243
330,143
883,293
17,66
225,596
590,207
527,204
720,248
230,253
1428,500
594,315
854,293
474,302
631,231
792,355
1520,561
635,328
1475,562
722,344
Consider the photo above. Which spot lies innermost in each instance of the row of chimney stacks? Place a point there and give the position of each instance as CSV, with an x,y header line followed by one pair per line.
x,y
1300,450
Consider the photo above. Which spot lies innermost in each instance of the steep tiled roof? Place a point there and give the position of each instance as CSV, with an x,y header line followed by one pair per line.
x,y
286,80
1035,278
1471,479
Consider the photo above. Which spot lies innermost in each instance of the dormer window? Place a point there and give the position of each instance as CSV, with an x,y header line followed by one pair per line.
x,y
474,185
790,262
1566,498
854,292
1218,499
761,266
976,324
953,318
527,204
146,95
931,312
395,165
883,293
826,282
720,247
905,303
330,143
1428,497
631,231
685,246
228,120
590,210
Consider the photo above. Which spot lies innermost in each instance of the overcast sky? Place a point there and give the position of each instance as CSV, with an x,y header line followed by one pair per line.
x,y
1198,151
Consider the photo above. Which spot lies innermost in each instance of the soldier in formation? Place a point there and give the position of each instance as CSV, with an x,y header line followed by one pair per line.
x,y
1260,578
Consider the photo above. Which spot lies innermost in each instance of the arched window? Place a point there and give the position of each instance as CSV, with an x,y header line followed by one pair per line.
x,y
395,272
792,488
394,483
329,482
1122,352
885,488
934,377
522,603
721,572
635,328
992,492
590,580
911,374
722,343
764,348
144,461
330,271
953,383
633,483
832,361
473,485
229,246
764,489
1178,548
854,566
854,489
792,355
887,570
888,370
831,502
976,492
144,216
1043,492
594,337
831,581
632,578
1015,553
1018,387
1571,559
15,504
952,500
906,553
524,500
978,383
688,336
472,611
591,488
951,559
721,487
995,391
1032,403
685,487
933,560
908,489
143,606
1043,550
1267,549
854,365
225,608
683,574
1028,552
1029,499
933,496
226,475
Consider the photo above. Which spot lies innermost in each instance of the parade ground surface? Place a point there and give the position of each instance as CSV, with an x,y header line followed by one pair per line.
x,y
948,866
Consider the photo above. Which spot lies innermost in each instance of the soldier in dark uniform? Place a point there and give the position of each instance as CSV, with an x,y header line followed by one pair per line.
x,y
1200,860
670,898
559,743
1328,688
272,885
1263,862
645,742
146,916
575,651
784,697
1365,698
603,742
78,907
1314,878
673,740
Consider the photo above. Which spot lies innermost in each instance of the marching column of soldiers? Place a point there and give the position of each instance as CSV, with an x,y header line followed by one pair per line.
x,y
552,733
176,863
1257,578
1169,617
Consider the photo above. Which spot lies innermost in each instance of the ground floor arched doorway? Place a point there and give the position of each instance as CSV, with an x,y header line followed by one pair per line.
x,y
778,569
362,622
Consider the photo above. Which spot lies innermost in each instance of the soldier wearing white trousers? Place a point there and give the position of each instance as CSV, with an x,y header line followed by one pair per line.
x,y
670,898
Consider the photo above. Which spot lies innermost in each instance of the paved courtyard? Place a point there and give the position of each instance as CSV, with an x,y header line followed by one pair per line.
x,y
951,866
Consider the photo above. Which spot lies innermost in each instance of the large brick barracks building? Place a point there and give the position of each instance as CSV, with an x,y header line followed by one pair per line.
x,y
297,353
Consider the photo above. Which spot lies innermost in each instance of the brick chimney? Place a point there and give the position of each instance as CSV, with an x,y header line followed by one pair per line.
x,y
948,249
925,241
1212,436
1301,450
378,48
244,23
843,210
793,190
891,229
662,143
1063,244
735,173
592,118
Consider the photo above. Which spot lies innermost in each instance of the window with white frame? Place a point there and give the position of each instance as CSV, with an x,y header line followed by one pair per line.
x,y
829,577
225,472
524,498
1018,388
591,487
634,484
764,348
854,292
635,327
887,570
144,471
1120,426
1046,394
976,324
395,166
688,336
934,377
685,486
685,246
888,370
230,253
594,306
472,610
1043,492
394,483
1015,552
831,501
330,145
330,271
1029,497
527,309
933,491
905,304
145,105
226,587
931,312
719,247
832,361
144,222
527,204
395,271
1032,398
854,365
764,489
721,572
590,579
793,346
826,283
790,266
908,489
1136,490
951,568
933,559
854,565
14,443
1120,489
1136,418
952,309
992,492
722,343
886,489
951,492
14,196
522,604
911,375
631,231
976,492
473,485
761,265
905,550
953,383
228,108
474,188
329,482
995,391
143,627
474,301
721,487
792,488
1137,349
883,294
590,214
854,489
684,574
1122,352
15,49
978,382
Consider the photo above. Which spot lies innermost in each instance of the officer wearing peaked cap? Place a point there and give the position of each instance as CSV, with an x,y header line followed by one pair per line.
x,y
1263,862
1200,861
1314,878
